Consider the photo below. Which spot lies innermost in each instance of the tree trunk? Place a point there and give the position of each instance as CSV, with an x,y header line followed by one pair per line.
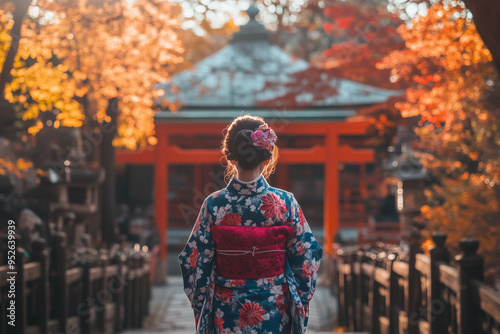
x,y
8,113
108,197
21,8
485,14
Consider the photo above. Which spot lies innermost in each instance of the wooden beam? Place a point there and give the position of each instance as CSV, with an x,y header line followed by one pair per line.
x,y
136,157
315,154
351,127
349,154
177,155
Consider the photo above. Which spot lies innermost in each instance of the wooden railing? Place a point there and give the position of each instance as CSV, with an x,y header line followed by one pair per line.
x,y
98,295
388,290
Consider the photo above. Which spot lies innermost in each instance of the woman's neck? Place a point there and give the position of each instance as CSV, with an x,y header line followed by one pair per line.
x,y
248,175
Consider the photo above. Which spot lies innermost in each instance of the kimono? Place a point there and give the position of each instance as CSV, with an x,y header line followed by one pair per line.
x,y
251,262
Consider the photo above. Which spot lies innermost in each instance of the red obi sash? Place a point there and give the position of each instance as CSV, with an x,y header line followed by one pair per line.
x,y
245,252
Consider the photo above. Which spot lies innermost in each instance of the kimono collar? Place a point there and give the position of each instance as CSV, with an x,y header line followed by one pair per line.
x,y
239,187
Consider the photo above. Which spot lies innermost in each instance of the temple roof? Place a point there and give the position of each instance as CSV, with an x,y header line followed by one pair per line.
x,y
227,115
237,76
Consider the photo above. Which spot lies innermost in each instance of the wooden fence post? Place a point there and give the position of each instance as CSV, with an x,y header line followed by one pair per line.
x,y
414,290
144,286
390,300
358,303
148,282
119,289
334,287
129,301
342,314
60,299
21,305
102,296
87,312
40,254
373,299
350,293
470,266
435,304
137,291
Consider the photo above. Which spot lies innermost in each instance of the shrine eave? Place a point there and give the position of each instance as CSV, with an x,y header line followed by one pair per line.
x,y
304,115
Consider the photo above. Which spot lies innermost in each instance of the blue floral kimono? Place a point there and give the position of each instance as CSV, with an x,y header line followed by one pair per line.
x,y
261,304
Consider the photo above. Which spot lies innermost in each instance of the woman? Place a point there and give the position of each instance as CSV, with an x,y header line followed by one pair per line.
x,y
251,262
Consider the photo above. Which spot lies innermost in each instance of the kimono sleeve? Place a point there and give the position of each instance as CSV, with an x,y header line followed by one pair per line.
x,y
304,255
196,261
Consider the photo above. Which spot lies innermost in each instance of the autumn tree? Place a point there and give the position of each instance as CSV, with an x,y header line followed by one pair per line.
x,y
87,53
35,83
452,76
115,49
483,12
364,33
27,83
94,65
18,13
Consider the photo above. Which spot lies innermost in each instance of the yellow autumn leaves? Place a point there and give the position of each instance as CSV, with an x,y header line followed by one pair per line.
x,y
88,53
41,86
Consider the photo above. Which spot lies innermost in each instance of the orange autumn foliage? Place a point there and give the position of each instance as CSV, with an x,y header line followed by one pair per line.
x,y
113,49
453,93
364,33
442,49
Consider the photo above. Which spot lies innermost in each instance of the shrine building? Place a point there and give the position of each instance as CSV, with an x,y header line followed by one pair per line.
x,y
322,159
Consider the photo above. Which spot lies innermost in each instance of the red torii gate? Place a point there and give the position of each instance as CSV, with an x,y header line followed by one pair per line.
x,y
330,154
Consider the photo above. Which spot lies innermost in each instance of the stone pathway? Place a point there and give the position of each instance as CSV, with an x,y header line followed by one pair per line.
x,y
170,311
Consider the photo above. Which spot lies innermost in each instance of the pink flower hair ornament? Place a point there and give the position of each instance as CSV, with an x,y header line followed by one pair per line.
x,y
264,137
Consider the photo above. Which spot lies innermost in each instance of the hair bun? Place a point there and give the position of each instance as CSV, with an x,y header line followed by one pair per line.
x,y
244,134
245,152
245,143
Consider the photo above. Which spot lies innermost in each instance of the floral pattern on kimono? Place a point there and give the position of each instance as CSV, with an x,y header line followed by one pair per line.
x,y
278,304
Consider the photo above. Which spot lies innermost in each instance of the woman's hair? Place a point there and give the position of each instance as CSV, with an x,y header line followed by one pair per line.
x,y
238,146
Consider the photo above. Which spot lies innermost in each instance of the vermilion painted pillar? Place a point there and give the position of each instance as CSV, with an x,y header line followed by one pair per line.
x,y
161,203
331,203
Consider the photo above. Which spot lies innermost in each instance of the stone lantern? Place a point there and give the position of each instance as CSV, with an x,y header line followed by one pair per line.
x,y
404,165
411,176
